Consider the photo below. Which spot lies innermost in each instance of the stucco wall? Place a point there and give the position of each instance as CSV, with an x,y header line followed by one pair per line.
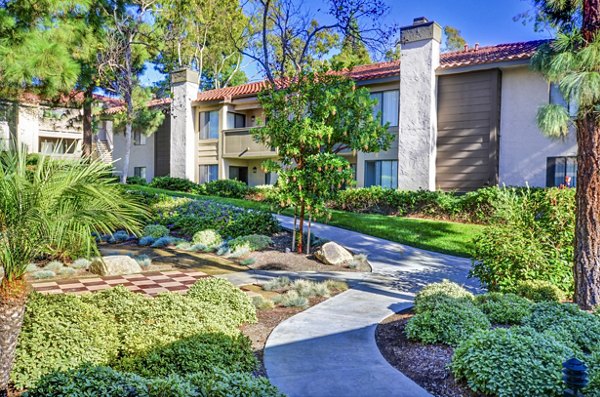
x,y
523,148
141,155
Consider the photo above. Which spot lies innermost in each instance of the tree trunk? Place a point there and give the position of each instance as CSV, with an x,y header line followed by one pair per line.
x,y
587,232
591,19
12,309
87,123
301,228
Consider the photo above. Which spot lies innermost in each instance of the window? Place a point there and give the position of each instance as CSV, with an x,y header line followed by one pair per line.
x,y
556,98
139,172
387,106
209,173
139,138
267,178
57,145
236,120
209,125
561,171
382,173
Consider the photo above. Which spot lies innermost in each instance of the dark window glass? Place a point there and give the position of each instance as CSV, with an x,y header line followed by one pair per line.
x,y
561,171
382,173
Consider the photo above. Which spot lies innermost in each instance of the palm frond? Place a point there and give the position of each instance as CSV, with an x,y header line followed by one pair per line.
x,y
554,121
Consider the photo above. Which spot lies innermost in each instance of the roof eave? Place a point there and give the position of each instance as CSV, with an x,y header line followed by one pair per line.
x,y
483,66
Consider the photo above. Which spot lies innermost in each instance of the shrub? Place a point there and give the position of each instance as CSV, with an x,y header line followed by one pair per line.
x,y
146,240
504,308
291,299
226,188
42,274
248,262
174,184
444,292
67,271
252,242
513,362
81,263
568,320
208,238
32,267
360,262
261,303
310,289
447,323
540,291
143,260
530,239
54,266
198,353
162,242
221,293
61,332
156,231
233,384
336,285
277,284
136,180
119,236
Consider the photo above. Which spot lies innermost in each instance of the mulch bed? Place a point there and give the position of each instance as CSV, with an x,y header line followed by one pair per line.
x,y
426,365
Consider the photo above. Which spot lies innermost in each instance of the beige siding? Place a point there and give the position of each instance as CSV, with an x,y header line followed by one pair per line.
x,y
162,152
468,118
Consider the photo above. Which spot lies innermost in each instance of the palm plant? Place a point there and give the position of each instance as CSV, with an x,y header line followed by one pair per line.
x,y
51,208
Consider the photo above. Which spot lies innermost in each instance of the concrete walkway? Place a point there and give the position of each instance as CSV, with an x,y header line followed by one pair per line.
x,y
330,349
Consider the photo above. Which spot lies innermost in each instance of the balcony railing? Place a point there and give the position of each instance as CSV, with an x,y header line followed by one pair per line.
x,y
239,142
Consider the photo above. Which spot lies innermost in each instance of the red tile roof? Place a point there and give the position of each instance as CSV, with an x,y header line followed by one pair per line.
x,y
449,60
121,107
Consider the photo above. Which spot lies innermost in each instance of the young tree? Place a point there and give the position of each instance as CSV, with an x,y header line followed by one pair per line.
x,y
353,51
129,41
313,118
57,201
572,61
198,34
454,40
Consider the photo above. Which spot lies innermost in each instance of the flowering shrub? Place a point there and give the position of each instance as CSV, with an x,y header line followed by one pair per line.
x,y
191,216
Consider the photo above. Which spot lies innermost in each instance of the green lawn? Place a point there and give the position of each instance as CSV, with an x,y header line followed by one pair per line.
x,y
439,236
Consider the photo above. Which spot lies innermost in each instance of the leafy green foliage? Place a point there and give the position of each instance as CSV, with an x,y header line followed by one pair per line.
x,y
503,308
531,239
208,238
155,231
252,242
449,322
61,332
568,320
515,362
233,384
445,292
225,188
174,184
540,291
136,180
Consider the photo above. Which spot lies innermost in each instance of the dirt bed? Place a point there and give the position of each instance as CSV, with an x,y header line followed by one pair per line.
x,y
427,365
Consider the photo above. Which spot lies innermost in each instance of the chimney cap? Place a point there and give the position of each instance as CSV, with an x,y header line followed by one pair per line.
x,y
419,21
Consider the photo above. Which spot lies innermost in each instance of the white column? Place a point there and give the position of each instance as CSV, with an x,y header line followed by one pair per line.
x,y
420,57
184,86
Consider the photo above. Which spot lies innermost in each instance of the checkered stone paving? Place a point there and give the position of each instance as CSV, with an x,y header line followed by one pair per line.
x,y
150,283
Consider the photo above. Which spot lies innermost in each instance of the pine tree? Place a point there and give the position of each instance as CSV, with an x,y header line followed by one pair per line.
x,y
353,51
572,61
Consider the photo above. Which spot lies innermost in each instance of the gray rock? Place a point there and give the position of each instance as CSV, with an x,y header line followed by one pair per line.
x,y
114,265
333,254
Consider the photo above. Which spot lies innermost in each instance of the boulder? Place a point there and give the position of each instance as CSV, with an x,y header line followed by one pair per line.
x,y
333,254
114,265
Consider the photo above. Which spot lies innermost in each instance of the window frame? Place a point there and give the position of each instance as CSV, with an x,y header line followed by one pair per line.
x,y
139,138
207,175
206,133
378,167
379,107
552,162
143,171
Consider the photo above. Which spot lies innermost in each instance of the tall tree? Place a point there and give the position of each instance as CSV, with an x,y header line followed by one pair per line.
x,y
199,34
572,61
55,202
453,39
129,42
353,51
284,37
310,121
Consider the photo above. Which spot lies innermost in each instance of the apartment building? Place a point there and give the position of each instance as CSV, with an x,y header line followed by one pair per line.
x,y
461,120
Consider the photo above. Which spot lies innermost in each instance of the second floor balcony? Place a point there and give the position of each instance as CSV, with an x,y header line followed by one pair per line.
x,y
239,143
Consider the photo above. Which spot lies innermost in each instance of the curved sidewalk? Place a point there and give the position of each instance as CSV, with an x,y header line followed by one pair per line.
x,y
330,350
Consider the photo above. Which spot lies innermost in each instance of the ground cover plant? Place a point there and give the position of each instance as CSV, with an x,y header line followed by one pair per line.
x,y
176,344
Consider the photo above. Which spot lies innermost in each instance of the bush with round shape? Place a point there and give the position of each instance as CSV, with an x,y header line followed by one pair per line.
x,y
252,242
143,260
156,231
198,353
61,332
81,263
540,291
42,274
262,303
221,293
146,241
226,188
55,266
208,238
32,267
448,323
162,242
119,236
444,292
515,362
504,308
174,184
568,320
310,289
291,299
233,384
277,284
136,180
67,271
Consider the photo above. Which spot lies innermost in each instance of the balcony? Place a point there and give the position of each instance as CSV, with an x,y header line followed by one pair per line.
x,y
239,143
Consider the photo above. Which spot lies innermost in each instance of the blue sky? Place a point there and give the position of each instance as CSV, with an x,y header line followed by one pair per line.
x,y
480,21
